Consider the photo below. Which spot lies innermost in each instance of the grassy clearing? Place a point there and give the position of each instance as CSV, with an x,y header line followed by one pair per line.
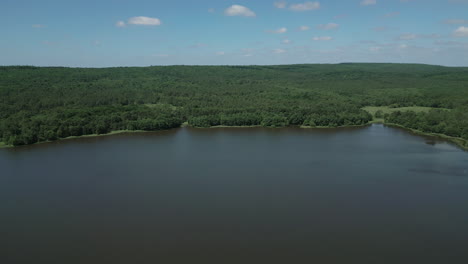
x,y
3,145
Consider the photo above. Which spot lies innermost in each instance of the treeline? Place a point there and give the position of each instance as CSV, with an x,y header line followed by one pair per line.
x,y
23,128
451,123
42,104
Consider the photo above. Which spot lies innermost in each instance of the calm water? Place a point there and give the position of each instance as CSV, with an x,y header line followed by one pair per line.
x,y
364,195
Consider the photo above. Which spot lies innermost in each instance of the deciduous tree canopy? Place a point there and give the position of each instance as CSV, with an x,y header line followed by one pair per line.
x,y
40,104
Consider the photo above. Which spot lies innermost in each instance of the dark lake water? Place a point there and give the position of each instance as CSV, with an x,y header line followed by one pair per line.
x,y
362,195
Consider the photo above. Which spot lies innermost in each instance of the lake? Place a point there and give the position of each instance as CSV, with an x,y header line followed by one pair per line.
x,y
229,195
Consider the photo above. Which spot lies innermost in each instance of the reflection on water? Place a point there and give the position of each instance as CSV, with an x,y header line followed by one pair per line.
x,y
360,195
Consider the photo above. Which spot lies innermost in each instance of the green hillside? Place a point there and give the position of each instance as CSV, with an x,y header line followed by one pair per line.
x,y
42,104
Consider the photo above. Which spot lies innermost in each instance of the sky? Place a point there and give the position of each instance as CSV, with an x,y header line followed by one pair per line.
x,y
107,33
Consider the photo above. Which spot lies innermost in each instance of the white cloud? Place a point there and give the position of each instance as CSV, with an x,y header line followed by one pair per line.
x,y
456,21
461,32
368,2
38,26
145,21
323,38
328,26
238,10
211,10
305,6
286,41
220,53
279,51
280,4
375,49
120,24
304,28
279,30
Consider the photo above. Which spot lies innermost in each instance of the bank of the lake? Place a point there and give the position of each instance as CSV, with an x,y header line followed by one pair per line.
x,y
116,132
460,142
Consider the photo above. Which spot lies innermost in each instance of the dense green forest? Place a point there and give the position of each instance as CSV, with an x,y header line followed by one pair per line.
x,y
48,103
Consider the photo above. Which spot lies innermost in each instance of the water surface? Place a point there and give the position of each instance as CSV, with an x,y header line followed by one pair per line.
x,y
360,195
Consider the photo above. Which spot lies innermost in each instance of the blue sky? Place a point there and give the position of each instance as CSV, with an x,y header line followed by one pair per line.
x,y
102,33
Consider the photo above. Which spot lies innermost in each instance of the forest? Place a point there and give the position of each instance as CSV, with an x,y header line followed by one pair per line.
x,y
40,104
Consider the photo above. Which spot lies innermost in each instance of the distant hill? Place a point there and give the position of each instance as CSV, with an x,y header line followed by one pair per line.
x,y
48,103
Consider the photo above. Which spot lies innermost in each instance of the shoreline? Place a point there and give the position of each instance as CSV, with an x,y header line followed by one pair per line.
x,y
459,142
116,132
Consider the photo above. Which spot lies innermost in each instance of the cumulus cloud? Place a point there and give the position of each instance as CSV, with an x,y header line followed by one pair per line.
x,y
238,10
323,38
120,24
211,10
461,32
278,31
375,49
279,51
144,21
220,53
305,6
368,2
328,26
280,4
304,28
286,41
